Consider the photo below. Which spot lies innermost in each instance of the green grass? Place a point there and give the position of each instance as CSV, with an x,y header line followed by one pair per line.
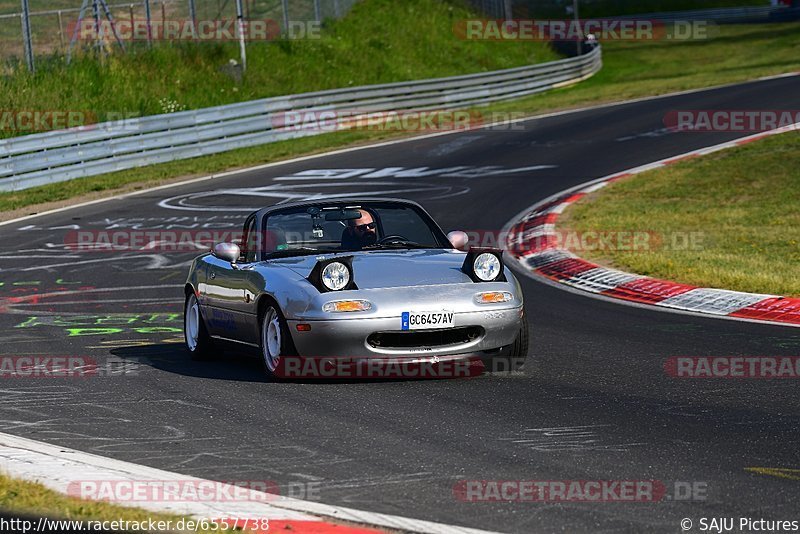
x,y
380,41
36,500
635,69
631,69
744,202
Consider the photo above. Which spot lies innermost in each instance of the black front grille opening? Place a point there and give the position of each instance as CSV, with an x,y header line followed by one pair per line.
x,y
425,338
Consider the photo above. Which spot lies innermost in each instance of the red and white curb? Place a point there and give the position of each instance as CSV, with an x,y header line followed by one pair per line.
x,y
528,243
59,469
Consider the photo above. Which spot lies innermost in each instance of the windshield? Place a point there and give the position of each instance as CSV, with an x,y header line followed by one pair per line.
x,y
349,227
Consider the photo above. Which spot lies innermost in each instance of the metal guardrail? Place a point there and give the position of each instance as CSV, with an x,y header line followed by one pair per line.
x,y
57,156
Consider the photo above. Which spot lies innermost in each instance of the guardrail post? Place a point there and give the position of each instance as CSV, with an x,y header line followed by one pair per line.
x,y
26,36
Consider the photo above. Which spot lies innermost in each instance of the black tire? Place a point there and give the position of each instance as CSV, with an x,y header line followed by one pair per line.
x,y
274,333
200,346
511,358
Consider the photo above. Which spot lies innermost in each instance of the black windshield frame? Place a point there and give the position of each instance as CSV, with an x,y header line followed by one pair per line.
x,y
440,240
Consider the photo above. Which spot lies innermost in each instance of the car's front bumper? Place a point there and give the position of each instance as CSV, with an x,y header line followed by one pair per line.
x,y
347,338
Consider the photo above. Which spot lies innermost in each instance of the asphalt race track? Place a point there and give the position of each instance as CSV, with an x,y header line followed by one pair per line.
x,y
593,404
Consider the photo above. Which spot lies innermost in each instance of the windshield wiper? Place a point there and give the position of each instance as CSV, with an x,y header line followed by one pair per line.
x,y
304,251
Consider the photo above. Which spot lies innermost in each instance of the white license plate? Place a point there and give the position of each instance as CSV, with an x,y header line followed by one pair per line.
x,y
428,319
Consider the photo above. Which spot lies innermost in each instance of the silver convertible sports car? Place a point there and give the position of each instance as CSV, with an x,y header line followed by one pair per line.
x,y
366,279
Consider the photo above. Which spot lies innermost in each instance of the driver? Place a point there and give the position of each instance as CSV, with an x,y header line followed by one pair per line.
x,y
360,232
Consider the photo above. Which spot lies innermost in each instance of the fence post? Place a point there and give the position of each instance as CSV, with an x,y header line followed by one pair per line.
x,y
317,14
97,27
240,25
285,8
193,17
60,29
578,43
336,8
26,36
148,21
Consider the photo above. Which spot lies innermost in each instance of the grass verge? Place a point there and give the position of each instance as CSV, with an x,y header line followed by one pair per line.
x,y
379,41
631,69
742,201
35,500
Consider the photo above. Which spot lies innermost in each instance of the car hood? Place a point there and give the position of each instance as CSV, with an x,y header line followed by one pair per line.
x,y
390,268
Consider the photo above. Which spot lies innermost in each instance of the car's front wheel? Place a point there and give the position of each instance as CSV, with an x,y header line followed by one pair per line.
x,y
198,342
275,341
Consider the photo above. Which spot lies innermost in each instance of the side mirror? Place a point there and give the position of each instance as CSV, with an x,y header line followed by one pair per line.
x,y
458,239
229,252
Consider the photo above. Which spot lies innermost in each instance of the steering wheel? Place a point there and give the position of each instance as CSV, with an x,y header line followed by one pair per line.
x,y
389,238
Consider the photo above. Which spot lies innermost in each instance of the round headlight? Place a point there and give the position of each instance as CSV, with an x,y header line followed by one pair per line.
x,y
486,267
335,276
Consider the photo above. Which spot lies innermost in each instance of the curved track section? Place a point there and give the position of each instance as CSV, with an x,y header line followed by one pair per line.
x,y
533,241
595,402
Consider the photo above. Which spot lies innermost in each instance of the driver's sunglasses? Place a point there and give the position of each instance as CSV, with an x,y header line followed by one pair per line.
x,y
362,227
